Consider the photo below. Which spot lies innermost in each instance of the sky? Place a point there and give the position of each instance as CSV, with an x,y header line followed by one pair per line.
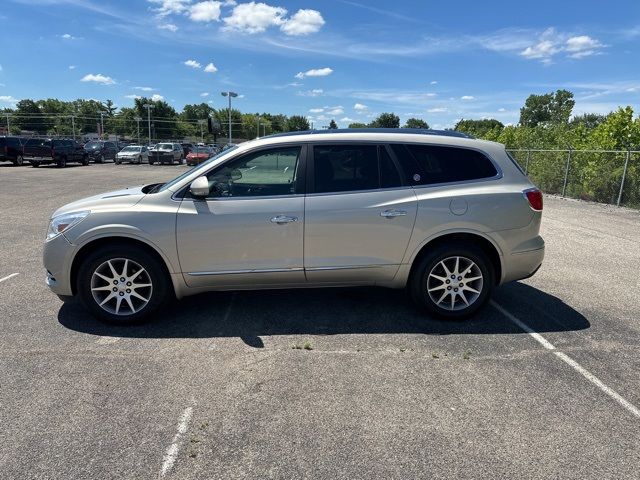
x,y
336,59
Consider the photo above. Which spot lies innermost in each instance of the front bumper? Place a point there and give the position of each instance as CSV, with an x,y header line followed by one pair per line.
x,y
56,256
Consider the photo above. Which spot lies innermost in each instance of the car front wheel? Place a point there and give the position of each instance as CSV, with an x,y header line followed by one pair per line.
x,y
453,281
122,284
19,161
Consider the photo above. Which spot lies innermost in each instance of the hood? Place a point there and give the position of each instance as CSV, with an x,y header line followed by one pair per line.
x,y
117,199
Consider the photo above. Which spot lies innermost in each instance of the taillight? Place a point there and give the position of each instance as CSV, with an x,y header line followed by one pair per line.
x,y
534,197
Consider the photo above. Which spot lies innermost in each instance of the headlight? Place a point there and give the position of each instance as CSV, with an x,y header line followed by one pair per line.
x,y
63,222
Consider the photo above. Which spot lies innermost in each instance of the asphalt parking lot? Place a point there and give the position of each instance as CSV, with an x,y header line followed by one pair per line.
x,y
543,383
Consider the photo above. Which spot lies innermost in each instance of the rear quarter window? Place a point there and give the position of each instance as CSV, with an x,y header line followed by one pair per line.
x,y
434,164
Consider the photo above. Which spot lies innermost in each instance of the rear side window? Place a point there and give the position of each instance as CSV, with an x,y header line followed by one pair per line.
x,y
432,164
345,168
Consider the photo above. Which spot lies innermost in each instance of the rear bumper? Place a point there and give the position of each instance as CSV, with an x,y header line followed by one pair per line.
x,y
523,265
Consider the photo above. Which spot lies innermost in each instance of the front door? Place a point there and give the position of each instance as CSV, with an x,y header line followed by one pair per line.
x,y
359,215
249,230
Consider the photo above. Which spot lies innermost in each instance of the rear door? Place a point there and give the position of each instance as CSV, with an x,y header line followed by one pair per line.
x,y
359,214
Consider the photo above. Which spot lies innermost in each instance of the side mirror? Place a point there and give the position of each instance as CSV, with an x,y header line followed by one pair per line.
x,y
199,187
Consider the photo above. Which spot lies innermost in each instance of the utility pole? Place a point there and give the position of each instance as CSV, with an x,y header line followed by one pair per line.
x,y
137,119
149,106
73,126
202,122
230,95
102,125
8,125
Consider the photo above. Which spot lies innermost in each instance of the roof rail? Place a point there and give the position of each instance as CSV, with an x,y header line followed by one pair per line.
x,y
415,131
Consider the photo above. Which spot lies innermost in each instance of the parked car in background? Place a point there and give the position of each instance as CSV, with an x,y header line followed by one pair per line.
x,y
11,150
166,153
443,215
186,148
133,154
100,151
40,151
199,155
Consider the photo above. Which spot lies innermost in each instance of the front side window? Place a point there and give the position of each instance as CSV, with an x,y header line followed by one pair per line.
x,y
264,173
344,168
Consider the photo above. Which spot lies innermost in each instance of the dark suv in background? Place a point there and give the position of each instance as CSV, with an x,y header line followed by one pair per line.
x,y
99,151
11,150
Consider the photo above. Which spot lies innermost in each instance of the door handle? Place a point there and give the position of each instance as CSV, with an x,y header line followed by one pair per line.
x,y
393,213
283,219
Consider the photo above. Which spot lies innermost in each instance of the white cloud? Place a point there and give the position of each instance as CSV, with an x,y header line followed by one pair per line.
x,y
303,22
467,98
156,97
436,110
314,72
98,78
72,67
193,64
316,92
68,36
210,68
132,97
168,26
582,46
360,107
204,94
502,109
433,82
168,7
254,17
347,120
144,89
339,110
208,11
550,43
8,99
316,110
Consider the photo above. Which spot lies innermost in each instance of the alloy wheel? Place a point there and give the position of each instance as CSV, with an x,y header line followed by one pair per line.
x,y
455,283
121,286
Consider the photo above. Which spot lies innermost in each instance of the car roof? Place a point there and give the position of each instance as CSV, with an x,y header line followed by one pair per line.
x,y
413,131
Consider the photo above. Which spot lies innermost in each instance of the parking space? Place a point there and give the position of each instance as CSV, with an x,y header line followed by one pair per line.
x,y
322,383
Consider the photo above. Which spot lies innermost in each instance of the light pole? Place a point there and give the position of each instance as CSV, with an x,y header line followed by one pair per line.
x,y
102,125
149,106
137,119
202,122
230,95
8,126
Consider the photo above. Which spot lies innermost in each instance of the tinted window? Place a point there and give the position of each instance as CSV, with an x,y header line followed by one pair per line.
x,y
263,173
343,168
389,175
430,164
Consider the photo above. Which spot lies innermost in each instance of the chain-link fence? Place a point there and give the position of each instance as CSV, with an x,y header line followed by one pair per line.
x,y
607,176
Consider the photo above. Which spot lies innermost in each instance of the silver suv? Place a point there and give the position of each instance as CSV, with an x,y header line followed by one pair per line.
x,y
446,216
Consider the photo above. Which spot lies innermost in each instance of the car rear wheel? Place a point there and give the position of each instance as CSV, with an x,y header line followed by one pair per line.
x,y
85,160
35,164
117,162
139,159
122,285
453,281
61,162
101,159
19,161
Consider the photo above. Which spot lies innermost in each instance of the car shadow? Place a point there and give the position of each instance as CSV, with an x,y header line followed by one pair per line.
x,y
327,311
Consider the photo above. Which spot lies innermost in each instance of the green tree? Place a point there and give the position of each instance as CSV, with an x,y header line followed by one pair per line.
x,y
333,125
297,123
415,123
480,128
386,120
588,120
548,108
357,125
29,117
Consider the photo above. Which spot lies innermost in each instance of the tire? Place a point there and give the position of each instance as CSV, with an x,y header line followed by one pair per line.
x,y
85,160
93,289
100,159
181,161
117,162
429,274
151,162
61,162
19,161
35,164
139,160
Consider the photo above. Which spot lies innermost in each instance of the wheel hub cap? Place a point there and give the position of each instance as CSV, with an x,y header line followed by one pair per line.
x,y
455,283
121,286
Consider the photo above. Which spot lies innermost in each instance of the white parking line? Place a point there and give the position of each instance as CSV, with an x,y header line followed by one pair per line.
x,y
8,277
569,361
172,452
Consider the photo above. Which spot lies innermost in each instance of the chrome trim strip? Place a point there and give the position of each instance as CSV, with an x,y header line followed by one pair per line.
x,y
235,272
350,267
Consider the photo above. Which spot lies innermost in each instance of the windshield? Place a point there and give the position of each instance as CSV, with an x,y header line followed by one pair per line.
x,y
131,149
200,150
190,172
165,146
93,145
